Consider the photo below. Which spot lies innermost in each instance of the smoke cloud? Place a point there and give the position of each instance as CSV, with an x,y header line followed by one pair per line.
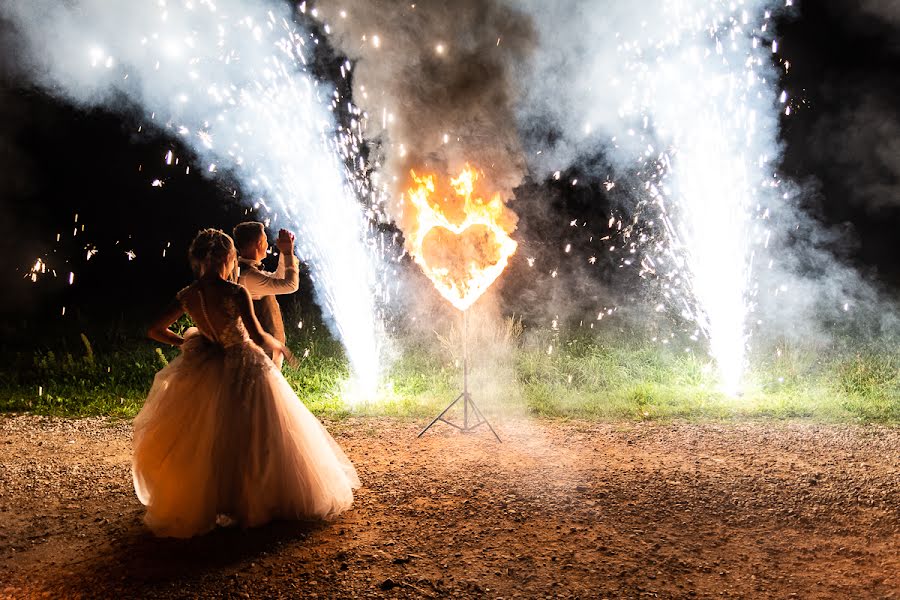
x,y
888,10
862,140
438,81
855,138
815,295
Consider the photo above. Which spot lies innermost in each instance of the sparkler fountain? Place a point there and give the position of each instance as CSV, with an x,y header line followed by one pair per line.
x,y
229,78
689,109
715,171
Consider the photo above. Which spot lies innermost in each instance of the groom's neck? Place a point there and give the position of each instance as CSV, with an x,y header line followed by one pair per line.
x,y
251,256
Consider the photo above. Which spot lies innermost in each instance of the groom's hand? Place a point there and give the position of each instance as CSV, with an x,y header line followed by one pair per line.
x,y
285,242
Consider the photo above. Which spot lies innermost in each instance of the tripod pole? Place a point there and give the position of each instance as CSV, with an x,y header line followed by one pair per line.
x,y
469,406
466,398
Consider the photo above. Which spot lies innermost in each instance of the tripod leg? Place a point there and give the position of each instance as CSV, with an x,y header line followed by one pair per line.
x,y
483,420
488,423
443,412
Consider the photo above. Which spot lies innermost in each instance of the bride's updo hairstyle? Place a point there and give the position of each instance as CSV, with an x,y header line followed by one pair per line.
x,y
210,249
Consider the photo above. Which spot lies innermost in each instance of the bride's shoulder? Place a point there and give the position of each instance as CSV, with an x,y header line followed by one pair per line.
x,y
236,289
184,292
236,295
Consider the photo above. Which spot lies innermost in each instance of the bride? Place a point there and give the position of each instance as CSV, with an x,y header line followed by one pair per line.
x,y
222,434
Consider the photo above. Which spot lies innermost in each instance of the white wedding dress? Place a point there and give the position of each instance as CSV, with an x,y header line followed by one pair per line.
x,y
223,433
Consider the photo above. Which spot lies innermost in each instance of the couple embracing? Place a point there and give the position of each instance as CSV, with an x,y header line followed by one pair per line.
x,y
222,437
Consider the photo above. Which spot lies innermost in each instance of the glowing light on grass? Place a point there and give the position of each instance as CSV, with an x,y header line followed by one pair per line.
x,y
229,79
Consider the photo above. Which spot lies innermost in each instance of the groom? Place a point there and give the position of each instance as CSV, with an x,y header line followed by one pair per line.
x,y
251,243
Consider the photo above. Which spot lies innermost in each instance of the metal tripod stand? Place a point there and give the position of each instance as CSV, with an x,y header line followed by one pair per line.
x,y
472,417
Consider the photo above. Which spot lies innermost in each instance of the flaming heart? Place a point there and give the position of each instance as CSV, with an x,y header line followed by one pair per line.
x,y
459,241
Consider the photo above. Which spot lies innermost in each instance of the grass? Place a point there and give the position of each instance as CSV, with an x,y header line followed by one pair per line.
x,y
545,373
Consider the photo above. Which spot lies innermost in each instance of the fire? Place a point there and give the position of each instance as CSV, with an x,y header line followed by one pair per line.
x,y
459,240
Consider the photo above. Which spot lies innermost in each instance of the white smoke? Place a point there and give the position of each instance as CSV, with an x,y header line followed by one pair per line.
x,y
228,78
862,141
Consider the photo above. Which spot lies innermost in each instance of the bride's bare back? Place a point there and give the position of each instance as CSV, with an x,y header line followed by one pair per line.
x,y
223,312
215,306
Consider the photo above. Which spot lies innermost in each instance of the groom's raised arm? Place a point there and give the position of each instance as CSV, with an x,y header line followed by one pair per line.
x,y
284,281
282,266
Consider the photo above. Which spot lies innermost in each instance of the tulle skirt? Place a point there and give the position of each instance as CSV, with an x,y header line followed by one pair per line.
x,y
222,433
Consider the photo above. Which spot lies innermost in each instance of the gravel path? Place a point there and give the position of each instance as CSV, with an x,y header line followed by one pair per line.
x,y
559,509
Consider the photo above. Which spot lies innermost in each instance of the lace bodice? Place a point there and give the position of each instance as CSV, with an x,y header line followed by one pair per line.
x,y
201,303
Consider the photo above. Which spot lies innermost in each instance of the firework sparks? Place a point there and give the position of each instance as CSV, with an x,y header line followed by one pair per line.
x,y
707,180
695,134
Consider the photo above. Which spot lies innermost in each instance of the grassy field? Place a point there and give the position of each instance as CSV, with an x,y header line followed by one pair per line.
x,y
513,371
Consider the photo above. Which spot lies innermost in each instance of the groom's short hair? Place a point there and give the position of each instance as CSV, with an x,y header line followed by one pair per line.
x,y
247,234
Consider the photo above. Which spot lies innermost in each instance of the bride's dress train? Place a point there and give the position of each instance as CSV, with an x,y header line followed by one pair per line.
x,y
223,433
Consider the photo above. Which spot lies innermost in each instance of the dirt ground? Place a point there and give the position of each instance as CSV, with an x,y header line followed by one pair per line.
x,y
559,509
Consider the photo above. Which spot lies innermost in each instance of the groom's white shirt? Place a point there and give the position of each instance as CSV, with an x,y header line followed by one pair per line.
x,y
285,279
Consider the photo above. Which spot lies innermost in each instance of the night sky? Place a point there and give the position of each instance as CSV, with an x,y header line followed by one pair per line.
x,y
842,144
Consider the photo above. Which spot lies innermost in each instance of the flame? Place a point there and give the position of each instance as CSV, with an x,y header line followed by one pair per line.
x,y
461,242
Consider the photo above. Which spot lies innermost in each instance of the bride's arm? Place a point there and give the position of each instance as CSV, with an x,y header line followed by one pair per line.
x,y
257,333
159,329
